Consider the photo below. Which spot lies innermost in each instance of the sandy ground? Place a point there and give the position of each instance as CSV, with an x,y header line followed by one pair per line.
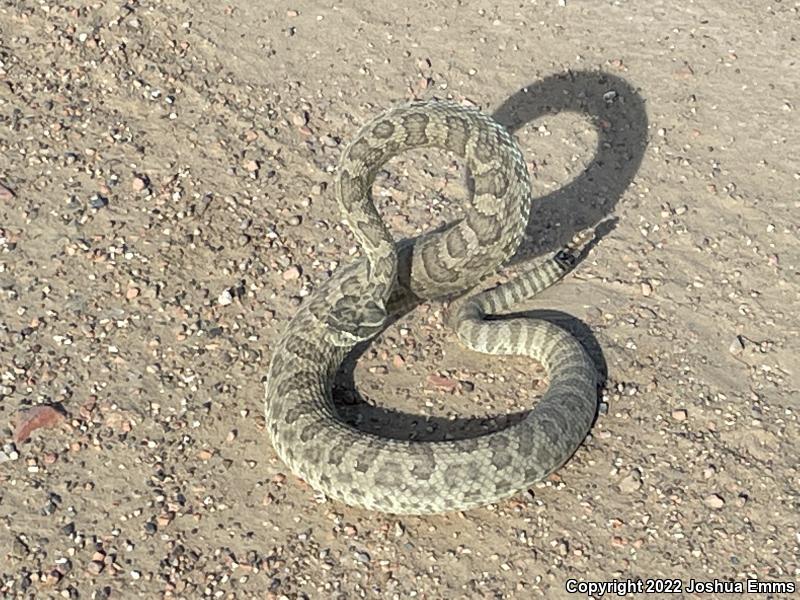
x,y
167,204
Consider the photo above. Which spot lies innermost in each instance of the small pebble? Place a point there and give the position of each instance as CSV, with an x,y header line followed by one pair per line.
x,y
329,141
5,193
737,346
163,520
225,298
292,273
610,96
98,202
679,414
441,382
714,501
95,567
631,482
8,453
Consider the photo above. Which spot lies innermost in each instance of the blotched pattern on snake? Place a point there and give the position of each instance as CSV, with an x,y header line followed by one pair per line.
x,y
418,477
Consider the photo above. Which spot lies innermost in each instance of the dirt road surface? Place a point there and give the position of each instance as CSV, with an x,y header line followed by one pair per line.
x,y
167,204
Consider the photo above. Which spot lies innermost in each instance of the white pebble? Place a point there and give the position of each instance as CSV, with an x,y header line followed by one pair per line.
x,y
225,298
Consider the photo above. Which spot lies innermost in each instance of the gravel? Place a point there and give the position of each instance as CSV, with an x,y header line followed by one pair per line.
x,y
166,205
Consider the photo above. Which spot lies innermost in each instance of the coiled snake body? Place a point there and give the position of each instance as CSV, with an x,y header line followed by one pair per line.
x,y
419,477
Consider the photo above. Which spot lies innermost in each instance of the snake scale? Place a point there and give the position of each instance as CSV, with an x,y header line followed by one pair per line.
x,y
354,304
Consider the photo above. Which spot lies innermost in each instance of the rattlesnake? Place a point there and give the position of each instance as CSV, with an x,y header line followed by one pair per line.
x,y
353,305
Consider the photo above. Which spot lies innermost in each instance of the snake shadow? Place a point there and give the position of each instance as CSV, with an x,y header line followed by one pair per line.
x,y
618,114
355,410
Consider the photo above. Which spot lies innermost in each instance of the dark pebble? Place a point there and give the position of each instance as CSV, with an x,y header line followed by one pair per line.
x,y
25,582
103,593
49,508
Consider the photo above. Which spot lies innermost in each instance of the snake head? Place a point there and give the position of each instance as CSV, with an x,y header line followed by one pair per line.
x,y
354,324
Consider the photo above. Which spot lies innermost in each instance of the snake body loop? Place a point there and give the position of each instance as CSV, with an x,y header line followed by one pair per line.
x,y
419,477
